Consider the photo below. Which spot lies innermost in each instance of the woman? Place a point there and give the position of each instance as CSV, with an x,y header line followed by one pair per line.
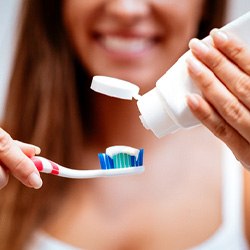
x,y
50,105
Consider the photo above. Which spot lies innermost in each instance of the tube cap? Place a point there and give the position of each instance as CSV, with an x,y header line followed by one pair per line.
x,y
115,87
155,114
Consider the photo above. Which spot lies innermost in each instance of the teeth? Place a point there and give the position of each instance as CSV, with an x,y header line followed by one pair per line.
x,y
129,45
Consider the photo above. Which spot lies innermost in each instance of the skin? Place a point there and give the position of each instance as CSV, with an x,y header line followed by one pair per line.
x,y
157,209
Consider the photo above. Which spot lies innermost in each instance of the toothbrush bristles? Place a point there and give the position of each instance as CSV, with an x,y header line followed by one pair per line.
x,y
120,160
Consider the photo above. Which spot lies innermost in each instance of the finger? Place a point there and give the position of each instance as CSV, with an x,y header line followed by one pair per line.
x,y
4,177
233,48
28,149
237,81
219,127
17,162
226,104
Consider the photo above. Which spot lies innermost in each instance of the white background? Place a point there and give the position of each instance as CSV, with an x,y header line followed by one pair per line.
x,y
8,17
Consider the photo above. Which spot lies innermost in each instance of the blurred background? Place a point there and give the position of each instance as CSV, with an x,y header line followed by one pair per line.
x,y
8,24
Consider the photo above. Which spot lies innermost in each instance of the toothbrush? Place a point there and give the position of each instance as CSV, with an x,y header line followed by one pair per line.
x,y
118,160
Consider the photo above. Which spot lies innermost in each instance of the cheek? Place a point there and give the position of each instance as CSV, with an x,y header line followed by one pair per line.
x,y
181,17
75,21
183,26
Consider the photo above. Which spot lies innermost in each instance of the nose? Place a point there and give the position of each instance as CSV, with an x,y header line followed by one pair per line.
x,y
127,10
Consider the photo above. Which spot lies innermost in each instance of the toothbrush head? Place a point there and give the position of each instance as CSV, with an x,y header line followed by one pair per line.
x,y
121,157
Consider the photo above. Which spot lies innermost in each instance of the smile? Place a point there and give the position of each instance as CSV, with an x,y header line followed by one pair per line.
x,y
118,44
127,45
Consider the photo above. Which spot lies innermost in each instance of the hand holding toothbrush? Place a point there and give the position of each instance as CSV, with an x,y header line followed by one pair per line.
x,y
15,159
19,159
222,73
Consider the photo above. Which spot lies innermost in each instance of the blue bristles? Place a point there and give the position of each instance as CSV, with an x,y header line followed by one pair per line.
x,y
120,160
139,161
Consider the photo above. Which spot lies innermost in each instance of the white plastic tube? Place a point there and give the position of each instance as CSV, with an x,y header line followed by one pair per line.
x,y
164,109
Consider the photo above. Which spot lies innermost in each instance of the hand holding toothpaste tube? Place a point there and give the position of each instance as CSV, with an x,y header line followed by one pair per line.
x,y
222,73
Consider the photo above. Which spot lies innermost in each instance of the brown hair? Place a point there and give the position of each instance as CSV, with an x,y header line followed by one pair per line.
x,y
41,109
213,16
41,98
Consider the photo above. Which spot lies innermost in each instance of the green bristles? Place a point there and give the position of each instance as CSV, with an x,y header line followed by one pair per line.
x,y
122,160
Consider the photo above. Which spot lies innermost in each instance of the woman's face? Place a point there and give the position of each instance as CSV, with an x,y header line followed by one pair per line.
x,y
135,40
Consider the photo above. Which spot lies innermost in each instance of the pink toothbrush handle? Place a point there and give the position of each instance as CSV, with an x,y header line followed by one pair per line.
x,y
46,166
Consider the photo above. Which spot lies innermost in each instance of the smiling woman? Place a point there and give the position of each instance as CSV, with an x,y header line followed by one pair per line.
x,y
177,202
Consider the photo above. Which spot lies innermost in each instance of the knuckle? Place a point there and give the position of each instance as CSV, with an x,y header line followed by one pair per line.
x,y
205,83
216,62
242,87
205,117
20,169
220,130
5,141
233,111
236,52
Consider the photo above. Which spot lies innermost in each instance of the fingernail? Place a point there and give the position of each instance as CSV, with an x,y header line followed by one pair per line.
x,y
35,181
198,46
193,101
219,35
194,65
37,150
